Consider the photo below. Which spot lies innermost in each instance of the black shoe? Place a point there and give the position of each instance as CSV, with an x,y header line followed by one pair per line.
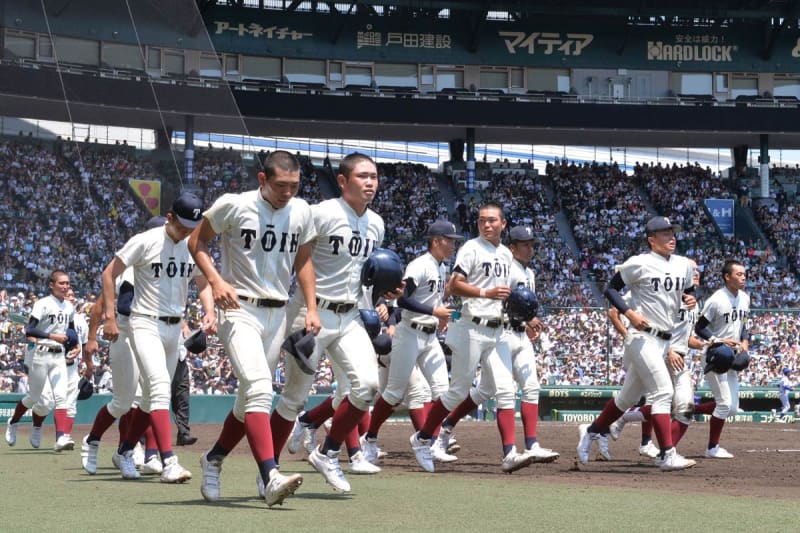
x,y
186,440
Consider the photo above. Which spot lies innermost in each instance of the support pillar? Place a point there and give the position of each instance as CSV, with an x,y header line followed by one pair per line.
x,y
763,159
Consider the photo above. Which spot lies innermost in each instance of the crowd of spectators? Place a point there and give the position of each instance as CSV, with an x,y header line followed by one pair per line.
x,y
522,196
606,210
56,203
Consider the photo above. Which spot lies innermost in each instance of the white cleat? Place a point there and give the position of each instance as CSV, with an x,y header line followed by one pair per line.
x,y
296,437
514,461
672,460
126,465
11,433
281,487
615,429
541,455
174,472
36,436
210,486
439,450
64,443
152,467
649,450
359,465
262,488
310,439
422,452
328,465
602,447
370,449
89,455
718,452
138,455
585,443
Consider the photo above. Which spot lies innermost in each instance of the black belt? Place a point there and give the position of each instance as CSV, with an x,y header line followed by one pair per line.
x,y
71,362
423,328
50,349
262,302
488,322
171,320
664,335
336,307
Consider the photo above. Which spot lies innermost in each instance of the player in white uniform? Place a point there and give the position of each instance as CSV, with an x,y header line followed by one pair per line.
x,y
678,363
415,342
264,235
481,276
124,368
48,323
659,281
522,355
347,233
724,318
162,269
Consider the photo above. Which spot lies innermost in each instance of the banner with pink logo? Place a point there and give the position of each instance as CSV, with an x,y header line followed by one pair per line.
x,y
150,193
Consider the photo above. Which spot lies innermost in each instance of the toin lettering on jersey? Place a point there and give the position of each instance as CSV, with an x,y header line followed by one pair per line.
x,y
173,268
269,240
496,268
668,283
355,246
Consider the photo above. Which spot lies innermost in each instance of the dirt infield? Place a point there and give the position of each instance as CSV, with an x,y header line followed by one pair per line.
x,y
765,463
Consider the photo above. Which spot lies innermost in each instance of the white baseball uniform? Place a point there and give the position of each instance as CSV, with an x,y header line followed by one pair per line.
x,y
73,373
415,341
479,336
656,288
344,240
48,365
162,269
523,357
683,396
259,244
726,315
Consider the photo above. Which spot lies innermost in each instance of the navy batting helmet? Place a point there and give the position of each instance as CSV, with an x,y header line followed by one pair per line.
x,y
196,342
382,344
741,360
85,389
383,270
719,358
72,339
787,371
372,322
522,304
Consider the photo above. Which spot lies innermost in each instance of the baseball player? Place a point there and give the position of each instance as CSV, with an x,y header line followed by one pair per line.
x,y
786,386
264,234
126,391
481,276
347,232
162,269
415,343
723,319
678,363
48,323
522,355
659,281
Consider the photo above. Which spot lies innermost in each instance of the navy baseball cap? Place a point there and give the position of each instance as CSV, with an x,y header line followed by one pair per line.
x,y
443,228
660,224
188,209
520,233
155,222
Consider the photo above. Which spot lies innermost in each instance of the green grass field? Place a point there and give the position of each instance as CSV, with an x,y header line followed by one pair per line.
x,y
45,491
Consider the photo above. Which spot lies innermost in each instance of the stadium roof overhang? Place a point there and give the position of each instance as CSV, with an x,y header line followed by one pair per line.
x,y
37,94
